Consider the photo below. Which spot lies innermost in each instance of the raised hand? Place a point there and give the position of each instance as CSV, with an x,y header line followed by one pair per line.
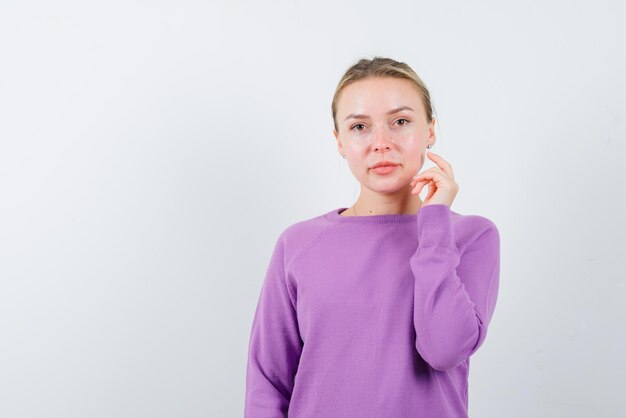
x,y
442,188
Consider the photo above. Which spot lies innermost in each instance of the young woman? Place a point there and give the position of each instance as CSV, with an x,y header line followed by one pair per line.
x,y
374,310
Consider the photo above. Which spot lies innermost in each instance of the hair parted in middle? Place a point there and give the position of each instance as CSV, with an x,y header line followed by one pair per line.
x,y
382,67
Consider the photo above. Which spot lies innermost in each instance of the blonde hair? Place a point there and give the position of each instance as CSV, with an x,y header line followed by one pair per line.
x,y
382,67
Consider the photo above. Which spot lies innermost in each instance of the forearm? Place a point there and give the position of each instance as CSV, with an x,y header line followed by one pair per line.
x,y
454,294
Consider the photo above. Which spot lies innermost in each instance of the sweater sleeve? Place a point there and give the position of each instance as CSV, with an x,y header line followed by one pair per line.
x,y
275,344
455,295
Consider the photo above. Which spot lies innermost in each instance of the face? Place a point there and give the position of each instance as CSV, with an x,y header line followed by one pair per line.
x,y
380,132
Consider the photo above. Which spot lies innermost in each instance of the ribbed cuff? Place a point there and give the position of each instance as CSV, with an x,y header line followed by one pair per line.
x,y
434,226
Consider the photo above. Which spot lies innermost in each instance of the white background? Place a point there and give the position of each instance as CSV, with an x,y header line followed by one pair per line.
x,y
151,153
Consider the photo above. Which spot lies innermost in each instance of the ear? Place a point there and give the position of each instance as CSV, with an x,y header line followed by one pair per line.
x,y
431,132
339,147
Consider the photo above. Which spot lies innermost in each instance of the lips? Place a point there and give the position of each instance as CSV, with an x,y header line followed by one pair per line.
x,y
385,169
384,164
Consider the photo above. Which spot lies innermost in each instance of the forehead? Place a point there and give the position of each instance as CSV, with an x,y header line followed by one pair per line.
x,y
379,92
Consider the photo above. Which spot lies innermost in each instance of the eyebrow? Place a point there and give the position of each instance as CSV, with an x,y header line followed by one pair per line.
x,y
399,109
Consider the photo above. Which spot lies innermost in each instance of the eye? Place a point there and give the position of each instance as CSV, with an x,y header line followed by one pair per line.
x,y
407,121
355,125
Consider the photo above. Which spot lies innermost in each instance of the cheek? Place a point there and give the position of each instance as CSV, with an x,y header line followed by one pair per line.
x,y
410,138
412,145
359,149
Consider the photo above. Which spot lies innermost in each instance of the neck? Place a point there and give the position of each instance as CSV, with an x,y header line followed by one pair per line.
x,y
378,204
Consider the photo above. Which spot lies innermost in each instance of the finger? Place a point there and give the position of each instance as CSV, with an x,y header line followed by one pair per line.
x,y
445,166
432,188
431,169
421,180
442,163
417,188
430,173
436,177
416,182
433,174
426,171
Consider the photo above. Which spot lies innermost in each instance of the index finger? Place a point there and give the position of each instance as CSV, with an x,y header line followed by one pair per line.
x,y
442,164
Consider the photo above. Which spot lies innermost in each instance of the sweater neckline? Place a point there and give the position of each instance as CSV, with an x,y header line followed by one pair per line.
x,y
400,218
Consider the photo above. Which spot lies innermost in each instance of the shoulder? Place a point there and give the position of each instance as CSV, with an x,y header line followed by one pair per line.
x,y
298,236
468,228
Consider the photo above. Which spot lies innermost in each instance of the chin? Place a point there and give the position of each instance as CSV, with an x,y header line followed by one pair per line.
x,y
387,185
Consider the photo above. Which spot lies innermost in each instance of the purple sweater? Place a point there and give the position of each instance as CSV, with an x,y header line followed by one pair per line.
x,y
372,316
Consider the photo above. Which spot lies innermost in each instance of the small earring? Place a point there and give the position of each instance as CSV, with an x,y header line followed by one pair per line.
x,y
429,146
344,156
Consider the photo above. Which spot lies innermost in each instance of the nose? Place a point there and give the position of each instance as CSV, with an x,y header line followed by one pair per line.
x,y
382,140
